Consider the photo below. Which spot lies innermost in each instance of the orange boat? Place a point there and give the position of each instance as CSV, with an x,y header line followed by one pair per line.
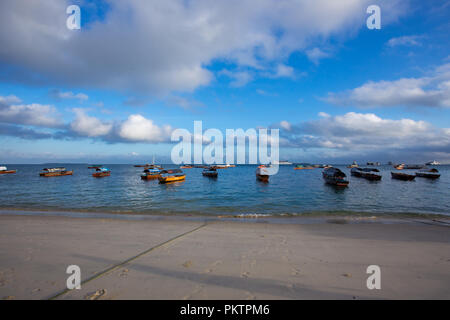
x,y
186,167
101,172
174,175
55,172
4,170
151,174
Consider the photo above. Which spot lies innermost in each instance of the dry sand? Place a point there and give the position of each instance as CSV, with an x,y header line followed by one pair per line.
x,y
190,259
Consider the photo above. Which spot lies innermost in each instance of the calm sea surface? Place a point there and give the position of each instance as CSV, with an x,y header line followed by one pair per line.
x,y
235,192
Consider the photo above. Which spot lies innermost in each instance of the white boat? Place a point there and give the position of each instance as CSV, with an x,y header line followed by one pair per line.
x,y
283,163
433,163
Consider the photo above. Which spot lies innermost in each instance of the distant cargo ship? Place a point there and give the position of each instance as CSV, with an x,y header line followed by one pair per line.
x,y
284,163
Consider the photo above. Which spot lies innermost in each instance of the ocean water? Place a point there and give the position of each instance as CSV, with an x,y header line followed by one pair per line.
x,y
235,192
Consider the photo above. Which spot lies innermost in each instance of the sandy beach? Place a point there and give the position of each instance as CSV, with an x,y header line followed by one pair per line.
x,y
222,259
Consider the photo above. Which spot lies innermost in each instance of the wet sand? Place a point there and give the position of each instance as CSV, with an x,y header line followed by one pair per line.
x,y
221,259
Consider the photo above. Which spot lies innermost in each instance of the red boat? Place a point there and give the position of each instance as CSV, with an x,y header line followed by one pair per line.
x,y
101,172
4,170
55,172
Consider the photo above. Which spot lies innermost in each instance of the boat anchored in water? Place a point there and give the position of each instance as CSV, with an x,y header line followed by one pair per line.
x,y
210,172
4,170
101,172
428,173
262,173
304,166
55,172
371,174
353,165
151,173
403,176
433,163
174,175
335,177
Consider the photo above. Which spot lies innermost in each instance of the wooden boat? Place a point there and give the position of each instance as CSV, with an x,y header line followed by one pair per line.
x,y
371,174
55,172
399,166
173,175
428,173
303,167
353,165
186,167
95,166
210,172
4,170
335,177
262,173
101,172
402,176
151,174
414,166
142,165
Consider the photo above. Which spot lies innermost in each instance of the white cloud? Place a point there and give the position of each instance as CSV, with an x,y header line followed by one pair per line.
x,y
28,114
367,132
240,78
404,41
430,91
85,125
71,95
163,46
139,129
316,54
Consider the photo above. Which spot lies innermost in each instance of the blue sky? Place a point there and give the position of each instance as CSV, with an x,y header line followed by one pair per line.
x,y
113,91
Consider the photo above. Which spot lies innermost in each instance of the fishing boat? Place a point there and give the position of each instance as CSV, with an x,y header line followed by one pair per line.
x,y
210,172
173,175
55,172
428,173
284,163
414,166
95,166
151,174
374,164
403,176
353,165
186,167
4,170
142,165
303,166
262,173
101,172
433,163
399,166
335,177
371,174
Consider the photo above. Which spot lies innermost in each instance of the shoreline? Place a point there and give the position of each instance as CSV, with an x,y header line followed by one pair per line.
x,y
221,259
307,217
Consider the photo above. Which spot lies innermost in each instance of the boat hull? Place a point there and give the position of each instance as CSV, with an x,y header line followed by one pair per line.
x,y
8,171
101,174
432,176
210,174
170,179
371,176
402,176
150,177
56,174
262,177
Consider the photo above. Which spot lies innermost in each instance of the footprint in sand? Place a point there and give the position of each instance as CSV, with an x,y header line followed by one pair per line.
x,y
124,273
96,295
187,264
295,272
245,275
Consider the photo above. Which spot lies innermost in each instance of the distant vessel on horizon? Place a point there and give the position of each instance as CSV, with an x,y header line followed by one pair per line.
x,y
433,163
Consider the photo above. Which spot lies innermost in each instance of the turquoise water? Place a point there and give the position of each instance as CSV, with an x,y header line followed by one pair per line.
x,y
235,192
